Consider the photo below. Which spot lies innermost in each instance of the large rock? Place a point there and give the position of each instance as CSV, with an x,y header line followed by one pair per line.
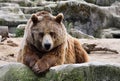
x,y
11,15
16,72
86,72
110,33
21,26
89,18
93,71
78,34
20,2
102,2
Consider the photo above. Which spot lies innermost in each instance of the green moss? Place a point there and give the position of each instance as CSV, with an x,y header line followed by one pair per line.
x,y
75,75
69,73
19,32
107,73
18,73
92,73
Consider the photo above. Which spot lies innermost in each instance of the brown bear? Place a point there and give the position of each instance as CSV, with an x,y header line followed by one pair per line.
x,y
46,43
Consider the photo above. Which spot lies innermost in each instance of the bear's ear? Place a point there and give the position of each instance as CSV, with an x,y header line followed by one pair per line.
x,y
34,19
59,18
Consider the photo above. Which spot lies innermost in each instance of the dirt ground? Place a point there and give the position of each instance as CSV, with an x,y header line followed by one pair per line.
x,y
9,49
105,56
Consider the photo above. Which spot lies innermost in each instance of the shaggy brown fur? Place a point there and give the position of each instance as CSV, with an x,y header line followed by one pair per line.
x,y
64,48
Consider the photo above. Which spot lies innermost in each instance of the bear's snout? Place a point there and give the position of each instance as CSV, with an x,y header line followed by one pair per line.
x,y
47,46
47,42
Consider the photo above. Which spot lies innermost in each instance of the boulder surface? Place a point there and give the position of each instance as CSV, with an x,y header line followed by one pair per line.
x,y
92,71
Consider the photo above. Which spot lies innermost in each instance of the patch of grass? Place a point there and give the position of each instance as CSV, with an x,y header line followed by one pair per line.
x,y
19,33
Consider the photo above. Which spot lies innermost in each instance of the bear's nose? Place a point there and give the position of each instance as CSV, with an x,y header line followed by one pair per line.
x,y
47,46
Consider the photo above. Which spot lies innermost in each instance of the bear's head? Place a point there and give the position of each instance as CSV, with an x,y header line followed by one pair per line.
x,y
45,31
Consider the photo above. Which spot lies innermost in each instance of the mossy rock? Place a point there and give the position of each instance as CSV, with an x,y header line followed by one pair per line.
x,y
87,72
92,71
16,72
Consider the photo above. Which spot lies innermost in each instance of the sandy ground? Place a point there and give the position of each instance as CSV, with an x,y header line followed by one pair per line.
x,y
105,56
9,50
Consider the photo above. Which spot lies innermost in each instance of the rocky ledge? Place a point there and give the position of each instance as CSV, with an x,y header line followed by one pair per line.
x,y
92,71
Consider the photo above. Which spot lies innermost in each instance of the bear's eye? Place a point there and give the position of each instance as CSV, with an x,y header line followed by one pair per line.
x,y
41,34
52,34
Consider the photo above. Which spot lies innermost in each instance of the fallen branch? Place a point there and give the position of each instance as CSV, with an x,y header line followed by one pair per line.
x,y
92,47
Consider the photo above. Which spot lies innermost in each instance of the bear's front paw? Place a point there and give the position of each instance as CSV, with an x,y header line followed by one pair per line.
x,y
40,67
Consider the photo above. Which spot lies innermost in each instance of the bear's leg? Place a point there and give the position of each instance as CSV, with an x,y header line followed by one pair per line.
x,y
28,57
56,57
44,63
81,54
